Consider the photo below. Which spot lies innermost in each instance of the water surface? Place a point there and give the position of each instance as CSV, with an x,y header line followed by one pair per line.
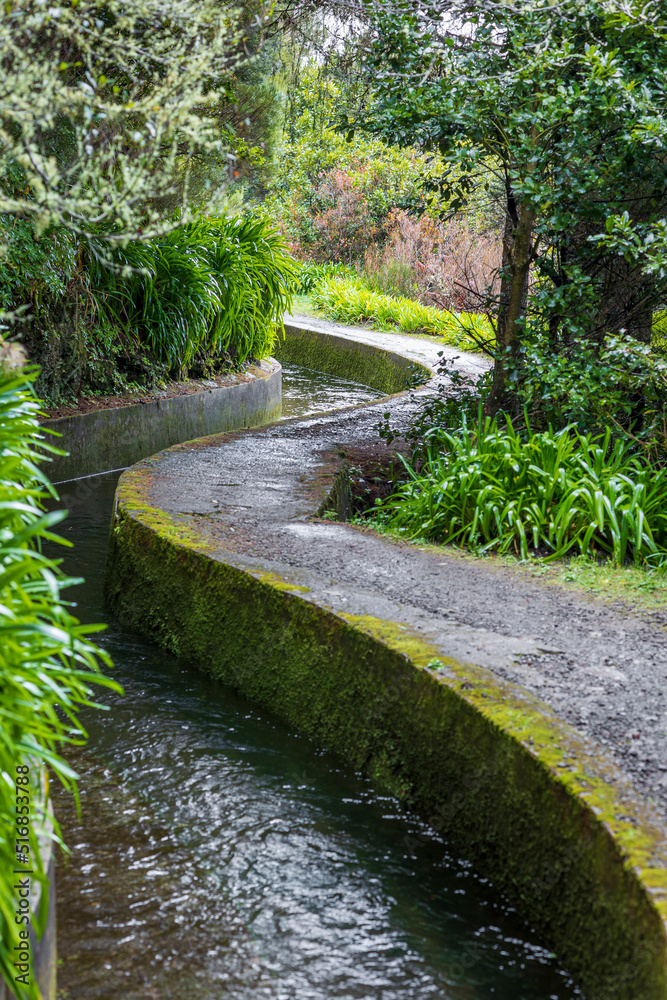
x,y
306,392
221,855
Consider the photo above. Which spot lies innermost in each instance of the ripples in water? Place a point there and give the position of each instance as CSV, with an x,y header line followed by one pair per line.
x,y
306,392
221,856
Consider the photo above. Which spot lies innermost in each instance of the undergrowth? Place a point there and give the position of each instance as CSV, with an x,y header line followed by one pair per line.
x,y
47,660
548,493
219,285
350,301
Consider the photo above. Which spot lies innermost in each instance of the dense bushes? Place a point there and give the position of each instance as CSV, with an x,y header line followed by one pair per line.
x,y
33,268
203,296
332,194
582,470
216,286
47,662
619,383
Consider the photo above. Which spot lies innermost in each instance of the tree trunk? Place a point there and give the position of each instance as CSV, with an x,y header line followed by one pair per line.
x,y
517,257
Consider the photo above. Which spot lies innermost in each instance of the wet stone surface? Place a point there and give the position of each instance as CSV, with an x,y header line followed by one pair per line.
x,y
603,667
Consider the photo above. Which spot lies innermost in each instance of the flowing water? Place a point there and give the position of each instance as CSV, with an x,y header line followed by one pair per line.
x,y
306,392
221,856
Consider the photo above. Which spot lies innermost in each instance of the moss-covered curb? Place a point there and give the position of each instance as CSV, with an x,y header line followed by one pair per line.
x,y
117,437
536,806
383,370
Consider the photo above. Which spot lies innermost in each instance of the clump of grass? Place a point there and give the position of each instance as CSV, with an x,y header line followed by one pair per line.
x,y
218,285
551,493
310,275
388,275
350,301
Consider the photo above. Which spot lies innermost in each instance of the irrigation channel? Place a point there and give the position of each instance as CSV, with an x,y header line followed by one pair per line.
x,y
221,856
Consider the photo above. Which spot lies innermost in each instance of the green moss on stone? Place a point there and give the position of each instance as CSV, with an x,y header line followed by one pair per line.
x,y
382,370
479,759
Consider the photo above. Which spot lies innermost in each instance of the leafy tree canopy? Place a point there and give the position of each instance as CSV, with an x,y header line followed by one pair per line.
x,y
105,106
567,103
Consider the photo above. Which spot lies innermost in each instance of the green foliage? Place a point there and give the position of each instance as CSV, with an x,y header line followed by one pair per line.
x,y
659,333
350,301
332,194
117,364
47,661
211,293
566,103
106,108
43,285
549,493
32,266
217,285
620,383
311,276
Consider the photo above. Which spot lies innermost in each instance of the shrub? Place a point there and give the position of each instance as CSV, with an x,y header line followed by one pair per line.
x,y
33,267
332,193
349,301
217,285
341,224
550,492
310,276
620,383
449,264
47,662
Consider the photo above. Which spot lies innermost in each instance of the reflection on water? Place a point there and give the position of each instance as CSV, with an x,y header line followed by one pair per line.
x,y
137,916
221,855
306,392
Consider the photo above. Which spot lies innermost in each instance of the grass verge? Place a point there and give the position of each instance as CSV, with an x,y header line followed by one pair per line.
x,y
348,300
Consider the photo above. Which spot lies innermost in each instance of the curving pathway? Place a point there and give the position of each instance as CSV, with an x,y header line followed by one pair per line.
x,y
596,672
426,350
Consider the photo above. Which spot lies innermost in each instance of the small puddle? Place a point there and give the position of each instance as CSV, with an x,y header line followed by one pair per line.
x,y
221,856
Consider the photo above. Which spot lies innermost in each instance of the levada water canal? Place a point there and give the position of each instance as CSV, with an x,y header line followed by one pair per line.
x,y
222,857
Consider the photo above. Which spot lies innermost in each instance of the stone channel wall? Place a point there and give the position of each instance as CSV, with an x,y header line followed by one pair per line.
x,y
118,437
386,371
508,784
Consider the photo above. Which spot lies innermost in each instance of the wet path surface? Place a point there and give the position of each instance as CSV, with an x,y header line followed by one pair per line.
x,y
222,856
602,667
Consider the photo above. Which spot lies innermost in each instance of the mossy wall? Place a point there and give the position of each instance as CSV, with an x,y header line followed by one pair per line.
x,y
373,693
382,370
